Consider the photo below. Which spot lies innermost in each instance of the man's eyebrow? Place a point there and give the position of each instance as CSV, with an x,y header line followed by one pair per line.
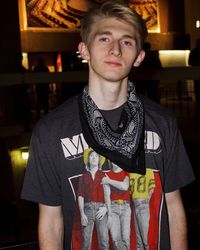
x,y
130,37
100,33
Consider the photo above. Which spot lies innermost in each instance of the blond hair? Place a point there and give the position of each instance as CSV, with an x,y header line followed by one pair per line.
x,y
116,9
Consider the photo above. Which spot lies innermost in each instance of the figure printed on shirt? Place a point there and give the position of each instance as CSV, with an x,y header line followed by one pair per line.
x,y
116,210
91,201
117,194
142,190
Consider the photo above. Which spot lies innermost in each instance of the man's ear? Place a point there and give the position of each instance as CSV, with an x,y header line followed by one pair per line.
x,y
83,50
139,58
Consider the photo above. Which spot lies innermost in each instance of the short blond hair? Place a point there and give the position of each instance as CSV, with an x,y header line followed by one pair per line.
x,y
116,9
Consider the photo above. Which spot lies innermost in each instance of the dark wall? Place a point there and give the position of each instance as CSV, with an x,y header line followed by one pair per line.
x,y
176,16
172,16
10,36
172,27
47,41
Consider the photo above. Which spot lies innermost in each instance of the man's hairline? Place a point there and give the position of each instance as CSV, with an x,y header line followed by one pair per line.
x,y
89,40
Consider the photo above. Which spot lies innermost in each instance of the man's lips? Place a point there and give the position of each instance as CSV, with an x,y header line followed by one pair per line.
x,y
113,63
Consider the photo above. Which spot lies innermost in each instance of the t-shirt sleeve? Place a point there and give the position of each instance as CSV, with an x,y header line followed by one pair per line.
x,y
178,171
42,181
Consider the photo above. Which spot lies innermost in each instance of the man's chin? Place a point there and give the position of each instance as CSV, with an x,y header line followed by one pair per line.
x,y
114,77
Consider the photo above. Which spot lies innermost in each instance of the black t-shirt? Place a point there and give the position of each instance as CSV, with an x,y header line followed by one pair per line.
x,y
56,164
113,117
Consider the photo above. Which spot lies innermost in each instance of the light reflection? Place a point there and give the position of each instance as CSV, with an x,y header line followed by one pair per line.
x,y
174,58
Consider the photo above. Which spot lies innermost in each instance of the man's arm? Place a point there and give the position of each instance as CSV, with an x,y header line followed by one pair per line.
x,y
107,194
121,185
84,219
50,228
177,221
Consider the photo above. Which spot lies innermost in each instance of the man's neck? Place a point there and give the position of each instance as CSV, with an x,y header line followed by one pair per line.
x,y
93,172
108,95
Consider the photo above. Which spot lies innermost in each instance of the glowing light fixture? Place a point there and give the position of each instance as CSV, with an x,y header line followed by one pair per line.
x,y
174,58
197,24
24,153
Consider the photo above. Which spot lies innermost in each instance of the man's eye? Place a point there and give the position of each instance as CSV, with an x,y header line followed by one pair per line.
x,y
127,43
103,39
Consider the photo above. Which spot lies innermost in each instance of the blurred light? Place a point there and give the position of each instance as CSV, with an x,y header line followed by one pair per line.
x,y
25,155
59,63
84,61
25,60
197,24
154,30
174,58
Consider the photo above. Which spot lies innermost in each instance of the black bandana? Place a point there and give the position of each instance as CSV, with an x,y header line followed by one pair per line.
x,y
124,146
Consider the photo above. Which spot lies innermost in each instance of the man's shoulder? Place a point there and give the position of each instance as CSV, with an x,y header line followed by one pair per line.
x,y
67,109
65,115
156,109
158,116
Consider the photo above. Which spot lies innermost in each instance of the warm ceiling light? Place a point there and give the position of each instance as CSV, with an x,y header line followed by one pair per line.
x,y
197,24
25,155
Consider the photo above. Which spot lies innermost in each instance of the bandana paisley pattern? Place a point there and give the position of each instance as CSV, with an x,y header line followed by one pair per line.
x,y
126,142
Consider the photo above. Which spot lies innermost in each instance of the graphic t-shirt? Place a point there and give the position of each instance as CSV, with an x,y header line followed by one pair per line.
x,y
119,194
58,175
142,185
91,189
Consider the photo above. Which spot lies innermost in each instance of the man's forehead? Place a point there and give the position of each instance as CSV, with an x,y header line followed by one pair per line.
x,y
112,24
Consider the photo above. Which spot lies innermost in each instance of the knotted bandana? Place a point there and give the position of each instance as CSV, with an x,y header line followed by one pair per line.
x,y
124,146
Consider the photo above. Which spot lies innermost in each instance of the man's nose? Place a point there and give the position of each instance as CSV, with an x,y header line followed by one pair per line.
x,y
116,49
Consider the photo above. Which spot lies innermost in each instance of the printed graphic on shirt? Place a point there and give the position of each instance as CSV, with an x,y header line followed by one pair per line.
x,y
152,142
74,147
146,195
115,209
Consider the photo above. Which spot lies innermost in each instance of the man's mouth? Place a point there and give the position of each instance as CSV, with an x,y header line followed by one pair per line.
x,y
113,63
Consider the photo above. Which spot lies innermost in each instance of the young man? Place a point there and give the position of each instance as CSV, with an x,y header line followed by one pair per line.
x,y
108,116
